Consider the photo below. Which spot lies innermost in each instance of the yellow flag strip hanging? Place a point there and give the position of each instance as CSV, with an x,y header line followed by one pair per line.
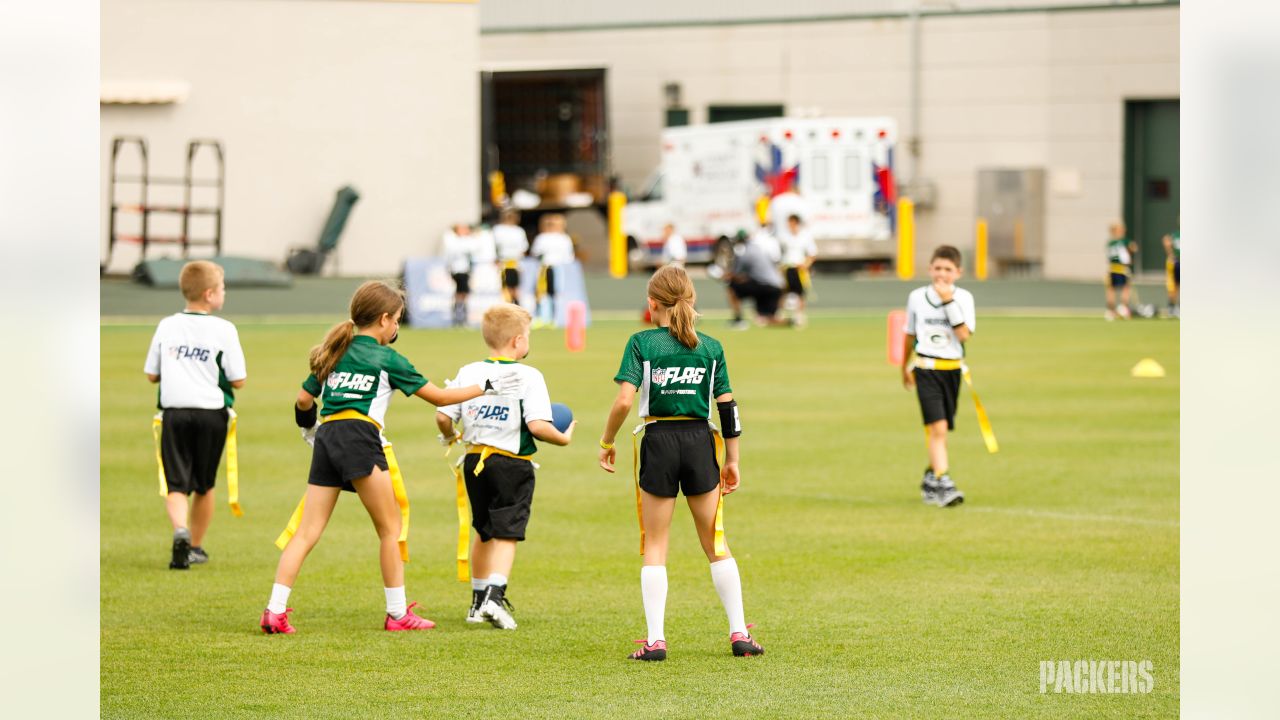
x,y
635,471
233,461
464,520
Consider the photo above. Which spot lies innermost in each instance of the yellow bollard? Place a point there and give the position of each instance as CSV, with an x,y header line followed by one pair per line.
x,y
617,238
906,239
980,250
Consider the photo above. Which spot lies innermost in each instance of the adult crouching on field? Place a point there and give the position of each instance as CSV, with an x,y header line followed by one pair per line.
x,y
755,276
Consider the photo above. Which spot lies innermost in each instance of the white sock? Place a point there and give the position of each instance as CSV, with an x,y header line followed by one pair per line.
x,y
724,573
479,584
279,598
496,579
396,604
653,589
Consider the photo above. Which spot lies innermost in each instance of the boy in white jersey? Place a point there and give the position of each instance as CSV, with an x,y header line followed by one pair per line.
x,y
498,468
197,360
511,244
553,248
940,318
458,250
798,253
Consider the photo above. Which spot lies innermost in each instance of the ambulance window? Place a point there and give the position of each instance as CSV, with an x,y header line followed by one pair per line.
x,y
819,171
654,191
852,172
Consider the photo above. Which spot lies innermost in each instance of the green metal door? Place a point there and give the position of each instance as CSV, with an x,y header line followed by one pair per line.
x,y
1152,181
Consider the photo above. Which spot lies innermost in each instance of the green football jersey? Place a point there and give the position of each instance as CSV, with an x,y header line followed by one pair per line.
x,y
1177,244
1118,251
363,379
674,380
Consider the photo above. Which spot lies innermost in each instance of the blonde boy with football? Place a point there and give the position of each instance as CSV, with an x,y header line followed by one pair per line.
x,y
499,433
940,319
198,362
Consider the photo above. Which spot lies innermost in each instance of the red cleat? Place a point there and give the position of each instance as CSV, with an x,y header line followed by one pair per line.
x,y
273,623
655,652
408,622
745,646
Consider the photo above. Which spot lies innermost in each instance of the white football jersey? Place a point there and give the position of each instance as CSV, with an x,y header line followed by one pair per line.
x,y
927,320
511,241
457,252
499,421
798,248
553,248
197,357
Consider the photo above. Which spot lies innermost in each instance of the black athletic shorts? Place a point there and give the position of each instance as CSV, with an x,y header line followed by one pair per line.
x,y
501,497
346,450
191,442
678,456
938,391
551,280
794,285
510,278
1119,280
766,296
1177,273
463,283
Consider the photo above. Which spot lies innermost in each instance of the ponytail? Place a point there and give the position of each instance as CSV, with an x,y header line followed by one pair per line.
x,y
671,288
371,301
325,356
682,317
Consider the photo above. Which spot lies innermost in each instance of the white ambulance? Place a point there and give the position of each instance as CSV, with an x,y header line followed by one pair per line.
x,y
712,176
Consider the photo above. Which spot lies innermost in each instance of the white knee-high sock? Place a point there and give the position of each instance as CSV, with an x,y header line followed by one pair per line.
x,y
653,588
724,573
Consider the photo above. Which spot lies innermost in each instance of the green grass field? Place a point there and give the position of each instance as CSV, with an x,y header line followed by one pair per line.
x,y
869,603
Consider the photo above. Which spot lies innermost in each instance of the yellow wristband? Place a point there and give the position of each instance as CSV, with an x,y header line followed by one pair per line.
x,y
605,445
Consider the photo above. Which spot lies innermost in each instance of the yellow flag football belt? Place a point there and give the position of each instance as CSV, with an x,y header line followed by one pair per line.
x,y
635,471
464,504
984,422
233,461
397,487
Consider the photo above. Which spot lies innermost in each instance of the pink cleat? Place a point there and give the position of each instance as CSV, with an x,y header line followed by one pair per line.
x,y
744,645
408,622
657,652
273,623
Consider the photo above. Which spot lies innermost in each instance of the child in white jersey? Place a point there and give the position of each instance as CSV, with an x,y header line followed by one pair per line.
x,y
511,244
940,318
498,468
553,248
197,360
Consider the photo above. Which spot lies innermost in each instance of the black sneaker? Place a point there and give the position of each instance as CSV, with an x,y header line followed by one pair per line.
x,y
496,608
929,487
181,550
948,494
477,599
197,556
655,652
745,646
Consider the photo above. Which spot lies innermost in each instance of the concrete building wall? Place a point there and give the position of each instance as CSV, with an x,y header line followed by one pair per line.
x,y
307,96
1013,90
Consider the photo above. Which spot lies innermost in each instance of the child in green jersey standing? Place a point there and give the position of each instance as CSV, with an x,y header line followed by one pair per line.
x,y
1120,251
353,374
679,373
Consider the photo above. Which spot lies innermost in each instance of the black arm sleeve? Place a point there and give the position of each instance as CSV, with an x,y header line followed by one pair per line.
x,y
305,419
730,425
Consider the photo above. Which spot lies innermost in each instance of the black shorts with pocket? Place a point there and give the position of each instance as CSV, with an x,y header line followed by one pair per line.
x,y
501,497
510,278
938,391
462,282
346,450
794,284
678,456
191,443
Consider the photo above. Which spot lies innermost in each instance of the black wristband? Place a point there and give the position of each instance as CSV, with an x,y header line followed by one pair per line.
x,y
730,425
306,419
